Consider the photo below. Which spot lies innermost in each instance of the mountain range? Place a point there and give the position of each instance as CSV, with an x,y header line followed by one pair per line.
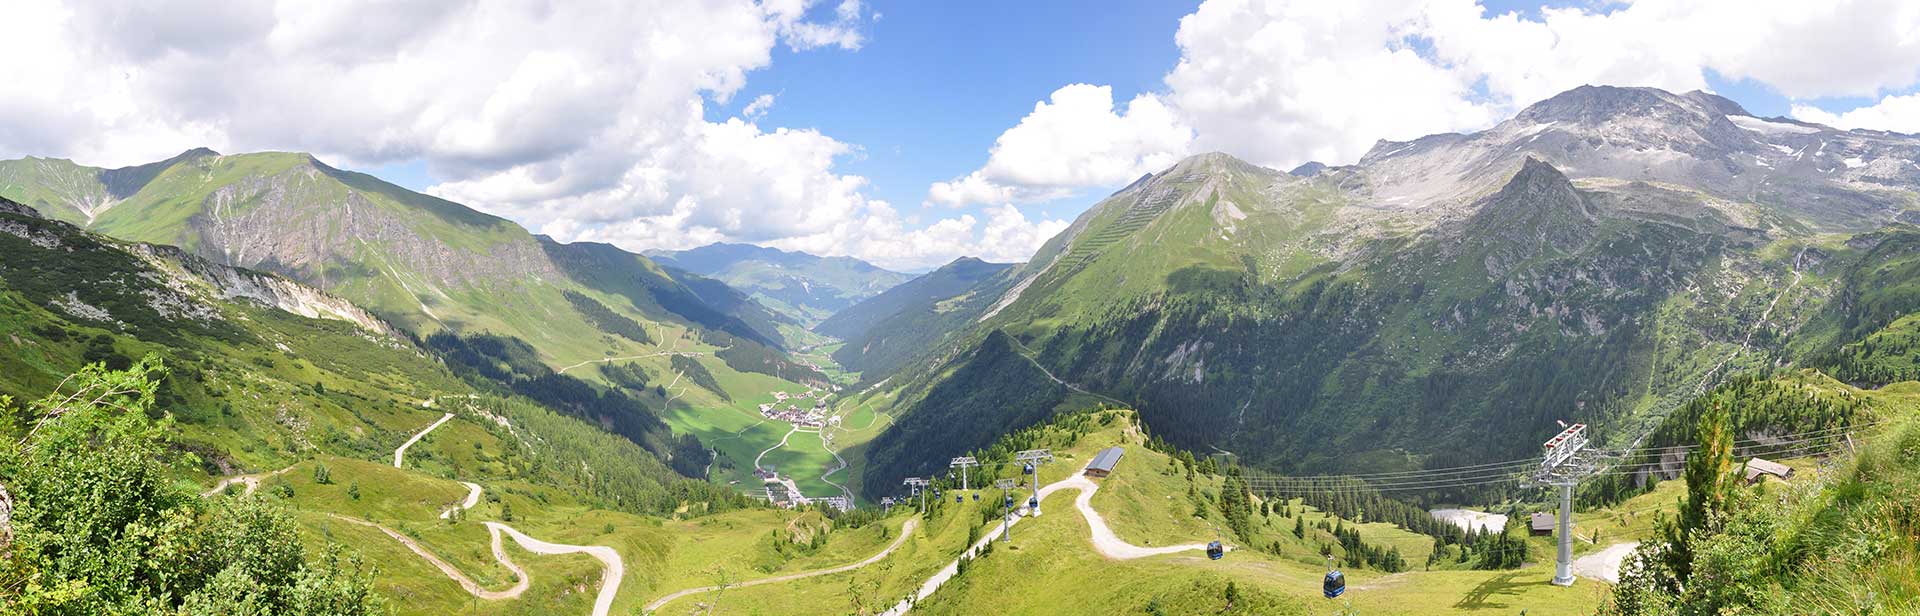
x,y
1601,257
422,263
1633,259
803,287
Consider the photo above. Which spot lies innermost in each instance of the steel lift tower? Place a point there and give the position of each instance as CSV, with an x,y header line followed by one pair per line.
x,y
962,463
1565,462
919,486
1033,458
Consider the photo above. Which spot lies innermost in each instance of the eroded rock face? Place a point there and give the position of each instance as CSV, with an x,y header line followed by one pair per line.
x,y
304,223
184,273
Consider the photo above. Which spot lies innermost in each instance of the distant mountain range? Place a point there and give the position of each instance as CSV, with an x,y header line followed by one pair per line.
x,y
1600,257
888,331
801,286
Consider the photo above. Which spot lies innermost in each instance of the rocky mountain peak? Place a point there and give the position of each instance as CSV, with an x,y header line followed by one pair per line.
x,y
1594,105
1212,163
1537,210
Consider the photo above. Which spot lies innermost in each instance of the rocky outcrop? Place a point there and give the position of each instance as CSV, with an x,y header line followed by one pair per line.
x,y
308,222
185,272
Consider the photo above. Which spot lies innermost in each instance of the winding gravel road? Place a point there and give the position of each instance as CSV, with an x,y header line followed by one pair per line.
x,y
609,585
1105,542
473,498
472,587
400,455
252,482
616,570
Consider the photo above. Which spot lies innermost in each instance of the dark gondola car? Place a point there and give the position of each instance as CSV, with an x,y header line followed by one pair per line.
x,y
1335,585
1215,550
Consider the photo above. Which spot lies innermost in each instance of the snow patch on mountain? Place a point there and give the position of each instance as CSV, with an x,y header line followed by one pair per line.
x,y
1770,128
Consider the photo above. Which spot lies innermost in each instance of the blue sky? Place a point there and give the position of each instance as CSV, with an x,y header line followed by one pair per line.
x,y
906,133
933,85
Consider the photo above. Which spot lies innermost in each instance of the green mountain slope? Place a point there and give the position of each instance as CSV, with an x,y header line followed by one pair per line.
x,y
425,264
800,286
262,371
1458,293
886,331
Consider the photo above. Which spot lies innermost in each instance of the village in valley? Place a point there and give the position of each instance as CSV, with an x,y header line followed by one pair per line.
x,y
806,411
789,408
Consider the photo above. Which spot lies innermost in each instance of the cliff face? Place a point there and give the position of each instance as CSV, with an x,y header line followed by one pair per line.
x,y
151,291
312,222
188,273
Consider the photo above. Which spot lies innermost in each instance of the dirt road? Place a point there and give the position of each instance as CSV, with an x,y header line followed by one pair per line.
x,y
400,455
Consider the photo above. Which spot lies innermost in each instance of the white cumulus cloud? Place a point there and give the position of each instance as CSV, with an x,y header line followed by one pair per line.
x,y
583,121
1281,82
1900,114
1076,138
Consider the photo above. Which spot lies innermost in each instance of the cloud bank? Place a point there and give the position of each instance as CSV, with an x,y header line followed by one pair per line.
x,y
1282,82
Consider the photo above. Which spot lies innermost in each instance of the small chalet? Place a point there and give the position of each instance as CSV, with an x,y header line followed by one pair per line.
x,y
1758,470
1540,524
1104,462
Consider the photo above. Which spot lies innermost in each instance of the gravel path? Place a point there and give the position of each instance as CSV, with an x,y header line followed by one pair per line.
x,y
400,455
251,481
472,587
1105,542
473,498
609,585
1604,564
616,570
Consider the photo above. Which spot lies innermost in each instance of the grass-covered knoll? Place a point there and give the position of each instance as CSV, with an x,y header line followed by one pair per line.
x,y
1050,567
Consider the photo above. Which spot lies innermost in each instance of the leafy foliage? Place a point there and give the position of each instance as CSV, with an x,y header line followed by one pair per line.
x,y
1846,542
99,526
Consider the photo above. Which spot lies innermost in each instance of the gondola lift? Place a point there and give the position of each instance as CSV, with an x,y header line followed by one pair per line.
x,y
1215,550
1336,582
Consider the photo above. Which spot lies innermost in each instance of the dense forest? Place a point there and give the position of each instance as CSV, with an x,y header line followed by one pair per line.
x,y
992,392
501,363
607,320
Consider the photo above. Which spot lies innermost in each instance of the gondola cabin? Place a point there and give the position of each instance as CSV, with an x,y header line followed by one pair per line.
x,y
1335,584
1215,550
